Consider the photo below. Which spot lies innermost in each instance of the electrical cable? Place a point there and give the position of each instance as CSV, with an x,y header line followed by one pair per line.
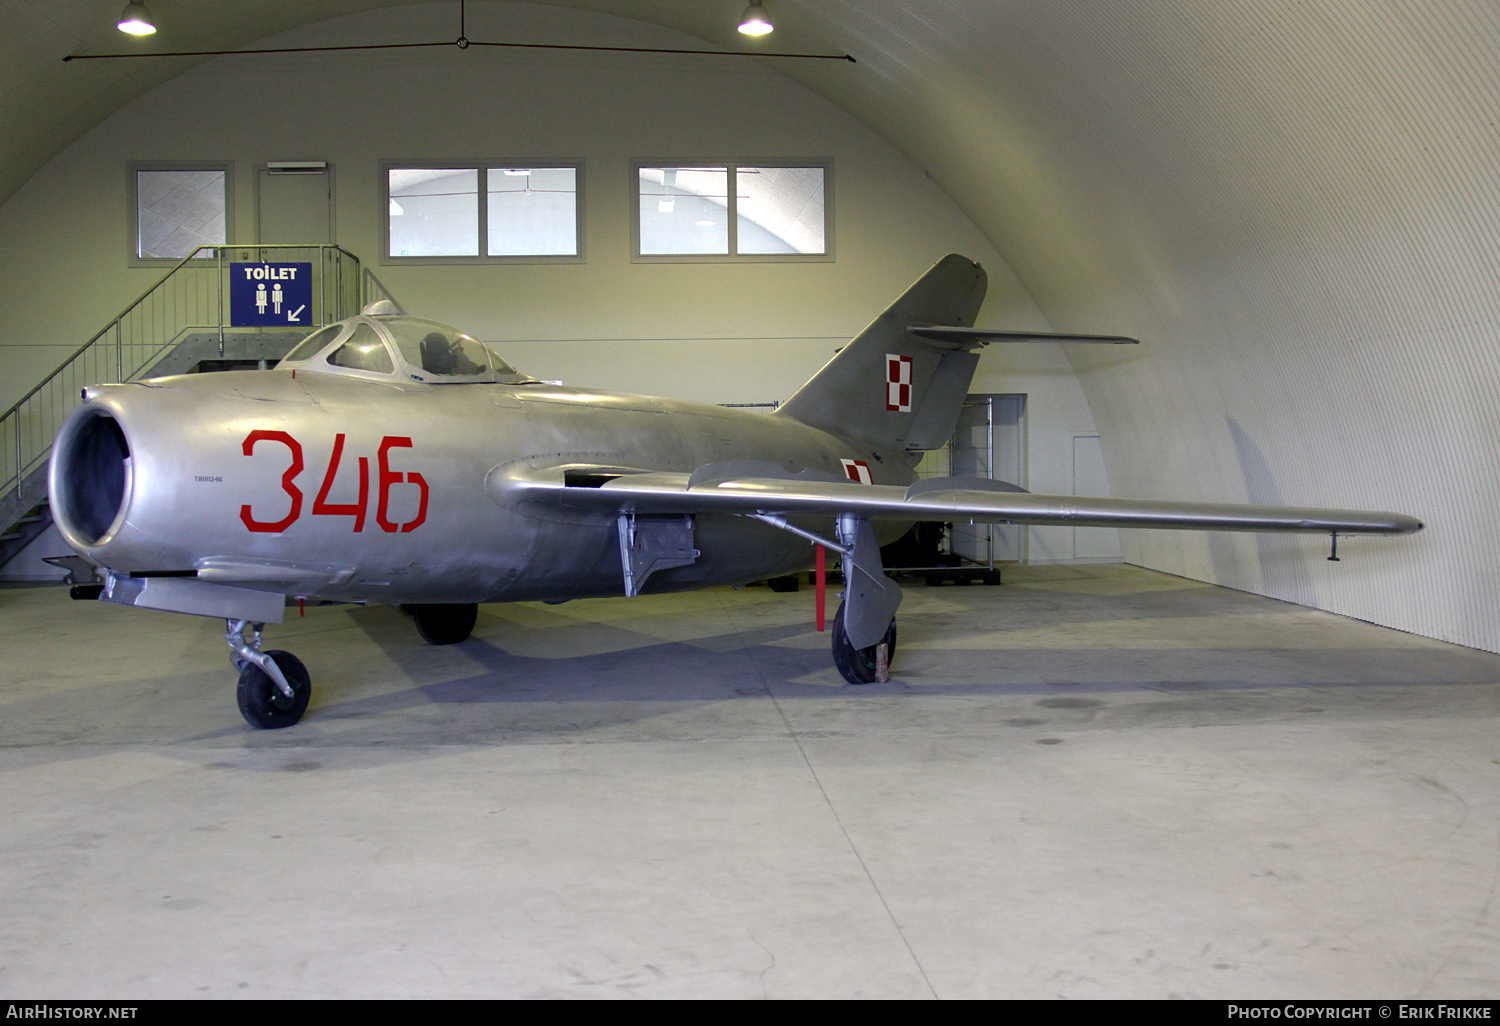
x,y
463,43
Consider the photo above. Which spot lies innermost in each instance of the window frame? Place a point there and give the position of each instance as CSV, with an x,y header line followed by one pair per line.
x,y
732,257
481,168
133,205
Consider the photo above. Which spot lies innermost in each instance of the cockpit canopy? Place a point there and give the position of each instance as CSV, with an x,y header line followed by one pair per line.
x,y
408,348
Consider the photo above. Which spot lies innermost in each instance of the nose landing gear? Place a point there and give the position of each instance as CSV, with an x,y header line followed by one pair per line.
x,y
274,686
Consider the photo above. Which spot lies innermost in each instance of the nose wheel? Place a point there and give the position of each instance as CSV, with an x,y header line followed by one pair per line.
x,y
862,665
274,686
261,701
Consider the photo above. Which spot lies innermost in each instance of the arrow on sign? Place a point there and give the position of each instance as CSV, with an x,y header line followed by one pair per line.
x,y
291,315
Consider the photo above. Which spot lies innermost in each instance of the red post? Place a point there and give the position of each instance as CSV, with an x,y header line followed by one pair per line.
x,y
822,583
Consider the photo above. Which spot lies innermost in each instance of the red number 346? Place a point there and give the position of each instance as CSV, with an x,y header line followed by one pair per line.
x,y
321,506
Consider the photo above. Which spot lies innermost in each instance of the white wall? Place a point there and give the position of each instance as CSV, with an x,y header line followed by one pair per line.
x,y
749,332
1294,205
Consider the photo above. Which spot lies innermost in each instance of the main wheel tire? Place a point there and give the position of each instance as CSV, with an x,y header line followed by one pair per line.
x,y
857,665
445,623
261,701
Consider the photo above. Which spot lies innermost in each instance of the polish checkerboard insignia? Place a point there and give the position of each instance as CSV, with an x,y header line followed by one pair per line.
x,y
858,471
897,383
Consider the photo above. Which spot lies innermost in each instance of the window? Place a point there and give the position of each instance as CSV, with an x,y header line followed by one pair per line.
x,y
533,211
309,347
363,351
177,209
483,213
773,212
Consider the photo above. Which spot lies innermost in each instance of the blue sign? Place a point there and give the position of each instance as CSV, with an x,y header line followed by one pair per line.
x,y
266,294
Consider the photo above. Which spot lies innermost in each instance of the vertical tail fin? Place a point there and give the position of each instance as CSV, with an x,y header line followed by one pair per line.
x,y
889,388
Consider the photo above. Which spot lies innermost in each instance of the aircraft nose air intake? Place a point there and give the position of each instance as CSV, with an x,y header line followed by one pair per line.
x,y
90,477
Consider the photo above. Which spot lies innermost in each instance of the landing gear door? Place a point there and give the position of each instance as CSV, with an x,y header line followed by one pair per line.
x,y
870,597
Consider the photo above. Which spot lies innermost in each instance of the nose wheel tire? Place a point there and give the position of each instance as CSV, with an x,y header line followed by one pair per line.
x,y
445,623
261,701
859,665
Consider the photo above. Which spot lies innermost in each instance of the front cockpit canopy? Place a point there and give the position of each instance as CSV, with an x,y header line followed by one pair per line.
x,y
409,348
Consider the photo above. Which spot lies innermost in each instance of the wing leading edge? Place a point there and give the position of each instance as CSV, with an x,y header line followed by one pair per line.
x,y
759,489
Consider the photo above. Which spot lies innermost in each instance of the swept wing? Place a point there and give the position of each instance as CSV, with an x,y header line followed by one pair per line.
x,y
767,489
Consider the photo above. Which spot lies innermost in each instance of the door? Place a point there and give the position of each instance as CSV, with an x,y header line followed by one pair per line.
x,y
990,441
1100,544
294,202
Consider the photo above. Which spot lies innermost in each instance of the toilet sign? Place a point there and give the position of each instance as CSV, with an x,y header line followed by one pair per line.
x,y
264,294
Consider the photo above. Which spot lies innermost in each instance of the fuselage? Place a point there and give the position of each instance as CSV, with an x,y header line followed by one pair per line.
x,y
339,487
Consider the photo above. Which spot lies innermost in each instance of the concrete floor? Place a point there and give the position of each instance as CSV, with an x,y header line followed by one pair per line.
x,y
1091,782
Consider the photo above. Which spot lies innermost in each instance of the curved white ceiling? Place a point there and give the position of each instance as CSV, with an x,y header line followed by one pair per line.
x,y
1293,203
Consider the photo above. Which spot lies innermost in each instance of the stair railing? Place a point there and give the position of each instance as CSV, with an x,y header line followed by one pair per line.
x,y
192,296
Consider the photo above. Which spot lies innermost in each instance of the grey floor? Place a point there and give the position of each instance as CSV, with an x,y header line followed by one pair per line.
x,y
1090,782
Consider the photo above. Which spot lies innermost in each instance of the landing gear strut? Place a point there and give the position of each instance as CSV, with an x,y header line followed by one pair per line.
x,y
861,665
443,623
274,686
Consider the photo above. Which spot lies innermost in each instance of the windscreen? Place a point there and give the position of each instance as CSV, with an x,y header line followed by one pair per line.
x,y
312,343
501,367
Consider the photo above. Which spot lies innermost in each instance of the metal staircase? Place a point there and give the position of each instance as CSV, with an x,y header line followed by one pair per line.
x,y
179,325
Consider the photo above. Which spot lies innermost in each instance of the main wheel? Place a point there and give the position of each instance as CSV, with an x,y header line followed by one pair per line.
x,y
445,623
857,665
261,701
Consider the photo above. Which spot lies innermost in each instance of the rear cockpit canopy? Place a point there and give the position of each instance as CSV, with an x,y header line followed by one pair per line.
x,y
404,348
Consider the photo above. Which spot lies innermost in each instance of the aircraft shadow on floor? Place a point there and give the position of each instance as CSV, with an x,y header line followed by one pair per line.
x,y
757,663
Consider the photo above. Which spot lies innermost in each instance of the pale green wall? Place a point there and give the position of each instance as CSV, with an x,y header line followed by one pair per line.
x,y
720,333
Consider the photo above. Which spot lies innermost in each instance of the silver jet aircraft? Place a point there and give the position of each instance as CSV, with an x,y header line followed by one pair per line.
x,y
393,459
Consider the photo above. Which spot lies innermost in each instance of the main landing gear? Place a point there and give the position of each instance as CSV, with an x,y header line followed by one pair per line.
x,y
274,686
445,623
862,665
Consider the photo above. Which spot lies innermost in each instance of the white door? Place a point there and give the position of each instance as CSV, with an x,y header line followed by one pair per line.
x,y
990,441
295,204
1101,544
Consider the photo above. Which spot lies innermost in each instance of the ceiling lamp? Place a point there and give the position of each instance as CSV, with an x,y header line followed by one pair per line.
x,y
136,20
755,21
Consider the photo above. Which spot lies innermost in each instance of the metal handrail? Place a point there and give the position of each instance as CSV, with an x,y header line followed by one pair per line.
x,y
374,289
100,334
147,294
167,329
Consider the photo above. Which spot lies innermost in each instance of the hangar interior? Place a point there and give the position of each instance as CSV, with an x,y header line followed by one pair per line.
x,y
1222,765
